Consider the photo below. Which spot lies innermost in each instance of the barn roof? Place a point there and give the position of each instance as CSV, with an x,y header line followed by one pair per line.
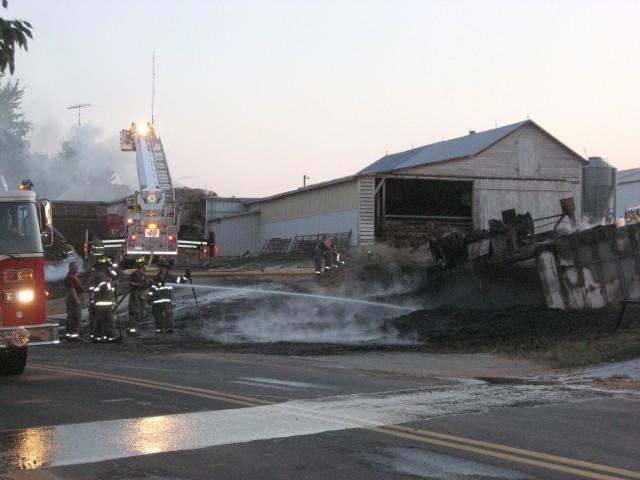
x,y
461,147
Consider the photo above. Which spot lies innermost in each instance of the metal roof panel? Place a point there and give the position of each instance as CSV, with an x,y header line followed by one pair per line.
x,y
460,147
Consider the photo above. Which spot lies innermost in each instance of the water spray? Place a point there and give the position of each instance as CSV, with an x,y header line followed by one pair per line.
x,y
297,294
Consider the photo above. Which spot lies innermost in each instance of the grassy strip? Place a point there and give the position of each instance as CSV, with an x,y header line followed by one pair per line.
x,y
594,350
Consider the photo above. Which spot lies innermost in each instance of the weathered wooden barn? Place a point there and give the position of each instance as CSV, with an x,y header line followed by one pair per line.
x,y
408,197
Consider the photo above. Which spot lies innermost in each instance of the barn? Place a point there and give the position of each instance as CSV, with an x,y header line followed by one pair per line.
x,y
406,198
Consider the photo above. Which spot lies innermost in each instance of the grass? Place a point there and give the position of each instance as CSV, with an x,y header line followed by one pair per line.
x,y
620,346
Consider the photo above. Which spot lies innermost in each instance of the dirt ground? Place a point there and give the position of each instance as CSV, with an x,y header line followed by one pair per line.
x,y
440,322
501,313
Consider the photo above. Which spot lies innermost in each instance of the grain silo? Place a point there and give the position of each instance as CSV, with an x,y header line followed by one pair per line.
x,y
598,190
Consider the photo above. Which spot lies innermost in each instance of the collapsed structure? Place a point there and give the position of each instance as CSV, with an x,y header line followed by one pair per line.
x,y
577,269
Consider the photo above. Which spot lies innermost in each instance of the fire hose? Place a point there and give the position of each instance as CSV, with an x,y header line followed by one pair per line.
x,y
193,290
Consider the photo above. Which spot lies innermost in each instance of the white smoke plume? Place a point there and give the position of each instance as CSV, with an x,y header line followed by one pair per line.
x,y
87,167
265,315
54,272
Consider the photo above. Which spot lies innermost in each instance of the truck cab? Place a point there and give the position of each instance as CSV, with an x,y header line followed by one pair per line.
x,y
23,319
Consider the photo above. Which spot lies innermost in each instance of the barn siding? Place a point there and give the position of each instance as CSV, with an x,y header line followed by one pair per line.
x,y
540,198
366,210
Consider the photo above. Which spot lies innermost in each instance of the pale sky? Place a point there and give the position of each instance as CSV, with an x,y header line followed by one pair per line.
x,y
250,96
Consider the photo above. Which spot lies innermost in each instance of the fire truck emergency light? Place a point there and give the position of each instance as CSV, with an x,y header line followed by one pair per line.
x,y
142,128
26,184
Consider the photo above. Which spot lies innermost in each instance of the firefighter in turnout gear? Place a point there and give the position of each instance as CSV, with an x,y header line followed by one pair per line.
x,y
102,290
326,250
160,295
137,285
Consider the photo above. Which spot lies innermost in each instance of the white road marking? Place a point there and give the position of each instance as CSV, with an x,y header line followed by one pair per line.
x,y
279,384
107,440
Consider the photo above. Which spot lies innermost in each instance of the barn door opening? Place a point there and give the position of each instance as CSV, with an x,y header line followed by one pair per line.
x,y
410,211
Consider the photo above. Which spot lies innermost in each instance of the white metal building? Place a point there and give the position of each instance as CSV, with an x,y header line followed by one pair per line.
x,y
414,195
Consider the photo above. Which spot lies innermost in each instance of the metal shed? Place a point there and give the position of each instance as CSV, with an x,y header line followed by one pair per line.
x,y
628,190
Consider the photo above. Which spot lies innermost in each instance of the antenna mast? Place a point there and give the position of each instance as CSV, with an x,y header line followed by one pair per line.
x,y
153,84
79,106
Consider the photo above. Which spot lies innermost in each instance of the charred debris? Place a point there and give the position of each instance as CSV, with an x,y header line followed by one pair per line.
x,y
547,261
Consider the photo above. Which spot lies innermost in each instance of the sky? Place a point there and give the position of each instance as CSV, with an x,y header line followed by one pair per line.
x,y
251,96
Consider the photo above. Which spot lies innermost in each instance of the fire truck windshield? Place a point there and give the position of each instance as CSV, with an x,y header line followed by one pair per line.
x,y
19,228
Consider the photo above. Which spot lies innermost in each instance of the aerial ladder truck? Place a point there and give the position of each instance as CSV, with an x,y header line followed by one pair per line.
x,y
153,223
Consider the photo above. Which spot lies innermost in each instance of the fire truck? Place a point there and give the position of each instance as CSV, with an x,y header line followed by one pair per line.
x,y
24,222
153,222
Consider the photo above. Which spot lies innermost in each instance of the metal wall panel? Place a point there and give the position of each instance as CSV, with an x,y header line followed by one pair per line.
x,y
222,207
308,203
237,235
627,196
334,222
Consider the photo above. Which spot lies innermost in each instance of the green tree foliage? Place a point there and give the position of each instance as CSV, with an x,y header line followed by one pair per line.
x,y
14,131
13,34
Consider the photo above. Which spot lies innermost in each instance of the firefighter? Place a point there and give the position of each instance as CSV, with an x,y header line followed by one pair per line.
x,y
102,290
137,285
326,250
160,295
203,256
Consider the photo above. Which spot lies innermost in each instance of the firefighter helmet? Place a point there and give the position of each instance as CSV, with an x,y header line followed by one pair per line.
x,y
139,261
102,261
163,263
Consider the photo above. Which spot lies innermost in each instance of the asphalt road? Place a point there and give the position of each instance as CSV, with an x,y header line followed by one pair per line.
x,y
110,412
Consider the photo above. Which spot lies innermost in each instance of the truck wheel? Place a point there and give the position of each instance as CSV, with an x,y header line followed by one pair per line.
x,y
13,361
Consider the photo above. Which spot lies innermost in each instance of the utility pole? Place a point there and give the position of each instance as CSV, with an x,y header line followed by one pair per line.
x,y
79,106
304,180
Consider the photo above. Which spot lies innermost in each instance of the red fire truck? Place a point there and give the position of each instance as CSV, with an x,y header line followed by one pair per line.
x,y
24,222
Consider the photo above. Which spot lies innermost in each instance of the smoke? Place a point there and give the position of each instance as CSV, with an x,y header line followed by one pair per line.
x,y
263,315
54,272
87,167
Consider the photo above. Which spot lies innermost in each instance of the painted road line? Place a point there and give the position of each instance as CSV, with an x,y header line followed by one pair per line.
x,y
557,464
518,451
200,392
279,384
379,412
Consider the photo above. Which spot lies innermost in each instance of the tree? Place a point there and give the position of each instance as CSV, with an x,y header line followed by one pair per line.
x,y
14,130
12,33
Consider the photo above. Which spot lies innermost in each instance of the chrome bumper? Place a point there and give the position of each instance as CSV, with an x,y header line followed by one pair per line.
x,y
45,334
